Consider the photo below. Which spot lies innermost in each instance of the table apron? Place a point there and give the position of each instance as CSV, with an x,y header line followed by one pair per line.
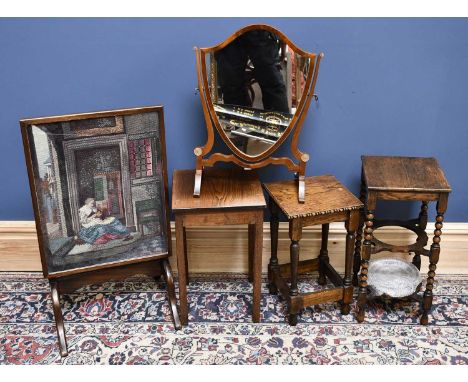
x,y
339,216
221,218
402,195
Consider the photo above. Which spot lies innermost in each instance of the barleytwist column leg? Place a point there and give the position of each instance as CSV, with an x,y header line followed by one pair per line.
x,y
362,296
422,224
433,260
357,249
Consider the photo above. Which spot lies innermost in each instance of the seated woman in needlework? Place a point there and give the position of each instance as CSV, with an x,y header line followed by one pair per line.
x,y
97,228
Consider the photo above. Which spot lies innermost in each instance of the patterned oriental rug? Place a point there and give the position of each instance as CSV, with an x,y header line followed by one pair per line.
x,y
129,323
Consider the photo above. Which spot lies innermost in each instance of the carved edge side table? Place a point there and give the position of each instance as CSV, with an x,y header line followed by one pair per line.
x,y
400,178
229,197
327,201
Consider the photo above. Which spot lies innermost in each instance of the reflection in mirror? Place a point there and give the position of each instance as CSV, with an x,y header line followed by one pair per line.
x,y
256,84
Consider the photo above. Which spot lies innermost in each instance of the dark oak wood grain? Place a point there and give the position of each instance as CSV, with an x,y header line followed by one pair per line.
x,y
392,173
327,201
400,178
230,196
222,188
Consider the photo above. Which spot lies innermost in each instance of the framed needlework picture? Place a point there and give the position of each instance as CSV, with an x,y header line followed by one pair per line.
x,y
99,189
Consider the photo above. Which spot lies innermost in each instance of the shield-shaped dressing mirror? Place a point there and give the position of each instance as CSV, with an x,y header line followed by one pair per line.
x,y
255,87
256,83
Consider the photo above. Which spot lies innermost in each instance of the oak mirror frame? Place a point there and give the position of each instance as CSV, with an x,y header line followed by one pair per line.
x,y
252,125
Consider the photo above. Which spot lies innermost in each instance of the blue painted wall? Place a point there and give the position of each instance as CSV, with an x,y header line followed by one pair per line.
x,y
386,86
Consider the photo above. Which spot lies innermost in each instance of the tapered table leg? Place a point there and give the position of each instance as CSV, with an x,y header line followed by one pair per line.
x,y
186,257
251,246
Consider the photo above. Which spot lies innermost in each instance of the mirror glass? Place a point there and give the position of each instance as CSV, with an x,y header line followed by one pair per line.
x,y
256,83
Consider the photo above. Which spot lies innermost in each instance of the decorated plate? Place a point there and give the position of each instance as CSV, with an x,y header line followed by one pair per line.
x,y
392,277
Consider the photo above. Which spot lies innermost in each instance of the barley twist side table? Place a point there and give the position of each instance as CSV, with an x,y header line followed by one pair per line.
x,y
400,178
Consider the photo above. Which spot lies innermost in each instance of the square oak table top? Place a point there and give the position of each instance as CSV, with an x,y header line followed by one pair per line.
x,y
406,174
323,195
220,189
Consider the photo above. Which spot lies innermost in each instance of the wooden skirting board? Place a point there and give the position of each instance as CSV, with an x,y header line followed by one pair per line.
x,y
224,249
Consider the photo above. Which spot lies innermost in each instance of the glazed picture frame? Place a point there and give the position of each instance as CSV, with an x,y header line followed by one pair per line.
x,y
99,188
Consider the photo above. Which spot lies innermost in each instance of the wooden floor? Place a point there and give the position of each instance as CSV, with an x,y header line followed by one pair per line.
x,y
224,249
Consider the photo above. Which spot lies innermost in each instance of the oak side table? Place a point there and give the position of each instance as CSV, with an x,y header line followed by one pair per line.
x,y
228,197
326,201
400,178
